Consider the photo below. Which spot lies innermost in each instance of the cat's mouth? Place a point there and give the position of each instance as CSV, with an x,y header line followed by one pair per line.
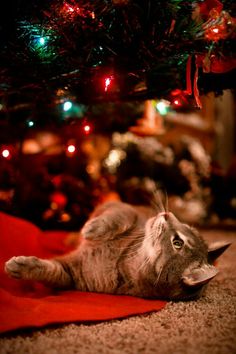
x,y
165,214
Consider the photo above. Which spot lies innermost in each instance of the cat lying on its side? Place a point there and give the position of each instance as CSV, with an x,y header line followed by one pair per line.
x,y
125,250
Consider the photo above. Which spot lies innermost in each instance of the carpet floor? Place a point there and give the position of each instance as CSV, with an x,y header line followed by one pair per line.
x,y
205,326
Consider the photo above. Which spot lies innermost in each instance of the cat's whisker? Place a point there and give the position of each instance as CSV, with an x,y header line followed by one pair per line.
x,y
143,264
155,206
133,256
154,203
158,200
132,250
158,278
166,207
140,242
136,247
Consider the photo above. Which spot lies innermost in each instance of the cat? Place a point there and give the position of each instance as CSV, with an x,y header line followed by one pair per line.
x,y
129,250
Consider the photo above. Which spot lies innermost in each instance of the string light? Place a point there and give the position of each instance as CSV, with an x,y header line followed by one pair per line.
x,y
30,123
108,82
177,102
68,8
87,129
42,40
162,107
6,154
114,159
67,106
69,11
71,148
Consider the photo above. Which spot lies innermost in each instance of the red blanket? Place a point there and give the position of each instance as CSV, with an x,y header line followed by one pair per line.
x,y
25,304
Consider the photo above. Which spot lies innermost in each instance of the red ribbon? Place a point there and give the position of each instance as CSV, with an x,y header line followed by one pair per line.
x,y
195,89
188,90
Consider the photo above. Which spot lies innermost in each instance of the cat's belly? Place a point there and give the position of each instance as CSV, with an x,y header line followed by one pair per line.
x,y
97,271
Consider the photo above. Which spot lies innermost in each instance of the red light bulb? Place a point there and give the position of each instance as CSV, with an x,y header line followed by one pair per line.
x,y
87,129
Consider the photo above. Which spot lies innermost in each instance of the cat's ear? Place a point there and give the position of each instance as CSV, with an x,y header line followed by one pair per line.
x,y
216,249
199,276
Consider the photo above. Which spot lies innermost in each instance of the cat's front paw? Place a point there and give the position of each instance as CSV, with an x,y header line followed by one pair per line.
x,y
22,267
95,228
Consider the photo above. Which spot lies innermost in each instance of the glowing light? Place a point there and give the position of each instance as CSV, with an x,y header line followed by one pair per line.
x,y
42,40
71,148
70,9
30,123
5,153
87,129
215,30
67,106
177,102
65,217
91,169
108,82
114,156
162,107
114,159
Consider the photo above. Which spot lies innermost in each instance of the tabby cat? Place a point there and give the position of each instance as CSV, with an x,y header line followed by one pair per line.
x,y
129,250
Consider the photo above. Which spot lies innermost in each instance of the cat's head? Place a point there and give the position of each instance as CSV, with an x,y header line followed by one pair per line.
x,y
178,261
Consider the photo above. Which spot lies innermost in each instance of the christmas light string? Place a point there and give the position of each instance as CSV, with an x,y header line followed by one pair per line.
x,y
78,44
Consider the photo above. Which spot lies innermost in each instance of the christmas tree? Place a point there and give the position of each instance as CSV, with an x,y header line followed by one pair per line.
x,y
114,50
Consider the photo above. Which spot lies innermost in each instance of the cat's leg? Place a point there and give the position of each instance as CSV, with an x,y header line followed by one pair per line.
x,y
51,272
110,221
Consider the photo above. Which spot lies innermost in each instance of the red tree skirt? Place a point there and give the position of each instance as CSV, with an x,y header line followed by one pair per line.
x,y
25,304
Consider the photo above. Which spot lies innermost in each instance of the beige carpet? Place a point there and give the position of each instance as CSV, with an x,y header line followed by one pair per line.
x,y
205,326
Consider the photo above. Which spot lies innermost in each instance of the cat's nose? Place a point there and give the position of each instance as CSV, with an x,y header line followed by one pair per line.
x,y
165,214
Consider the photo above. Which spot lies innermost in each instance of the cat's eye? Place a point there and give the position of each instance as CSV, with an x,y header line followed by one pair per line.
x,y
178,243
